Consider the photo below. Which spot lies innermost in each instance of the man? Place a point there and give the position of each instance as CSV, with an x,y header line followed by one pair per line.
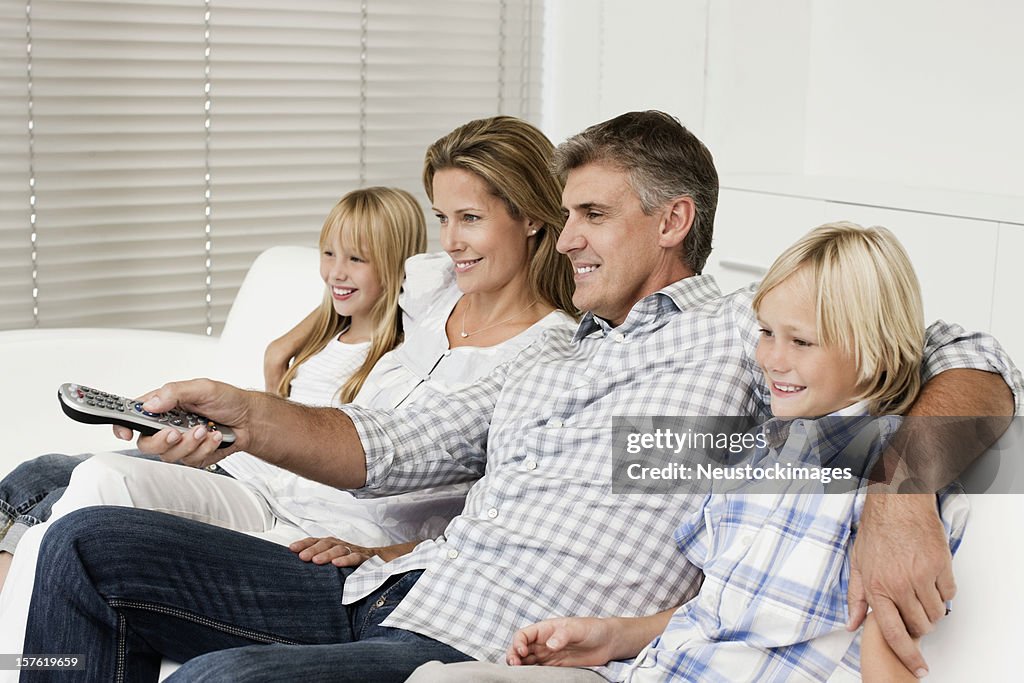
x,y
541,533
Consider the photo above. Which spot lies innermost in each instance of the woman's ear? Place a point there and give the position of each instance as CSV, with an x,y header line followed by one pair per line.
x,y
532,227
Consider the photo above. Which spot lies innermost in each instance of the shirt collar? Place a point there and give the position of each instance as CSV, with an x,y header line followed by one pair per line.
x,y
776,429
681,295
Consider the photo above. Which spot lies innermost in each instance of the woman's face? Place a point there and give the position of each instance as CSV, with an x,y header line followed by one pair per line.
x,y
489,247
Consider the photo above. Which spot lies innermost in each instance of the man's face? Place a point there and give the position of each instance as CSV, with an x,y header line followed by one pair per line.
x,y
612,243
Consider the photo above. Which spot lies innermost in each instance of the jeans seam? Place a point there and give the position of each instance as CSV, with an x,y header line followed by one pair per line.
x,y
122,647
8,510
203,621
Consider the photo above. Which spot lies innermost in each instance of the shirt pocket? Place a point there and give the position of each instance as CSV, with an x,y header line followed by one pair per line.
x,y
774,575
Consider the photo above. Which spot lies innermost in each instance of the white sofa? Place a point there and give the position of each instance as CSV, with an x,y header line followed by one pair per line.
x,y
976,643
280,288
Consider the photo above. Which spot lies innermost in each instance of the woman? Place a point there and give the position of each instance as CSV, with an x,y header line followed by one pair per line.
x,y
500,288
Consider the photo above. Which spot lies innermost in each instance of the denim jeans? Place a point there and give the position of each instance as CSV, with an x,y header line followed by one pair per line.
x,y
28,493
123,587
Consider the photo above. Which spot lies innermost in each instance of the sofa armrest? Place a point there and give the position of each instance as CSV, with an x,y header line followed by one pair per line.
x,y
34,363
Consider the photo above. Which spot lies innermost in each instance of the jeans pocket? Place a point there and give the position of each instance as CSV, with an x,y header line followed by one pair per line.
x,y
381,604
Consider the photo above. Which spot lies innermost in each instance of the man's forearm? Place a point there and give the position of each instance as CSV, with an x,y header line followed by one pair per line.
x,y
934,447
318,443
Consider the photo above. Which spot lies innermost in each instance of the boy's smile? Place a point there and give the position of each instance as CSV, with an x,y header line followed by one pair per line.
x,y
806,379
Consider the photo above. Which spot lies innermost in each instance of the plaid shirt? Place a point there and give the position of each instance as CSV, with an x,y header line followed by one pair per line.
x,y
776,568
541,534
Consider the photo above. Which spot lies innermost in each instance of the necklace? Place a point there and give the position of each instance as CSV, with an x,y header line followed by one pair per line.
x,y
465,312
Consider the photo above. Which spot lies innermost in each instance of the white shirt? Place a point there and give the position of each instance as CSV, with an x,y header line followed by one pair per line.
x,y
422,365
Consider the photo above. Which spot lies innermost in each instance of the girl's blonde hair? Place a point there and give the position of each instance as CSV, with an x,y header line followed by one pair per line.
x,y
867,303
513,158
386,226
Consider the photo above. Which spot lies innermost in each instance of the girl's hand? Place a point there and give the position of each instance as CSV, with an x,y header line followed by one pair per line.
x,y
281,351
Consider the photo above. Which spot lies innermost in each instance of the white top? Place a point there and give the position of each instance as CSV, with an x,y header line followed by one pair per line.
x,y
422,364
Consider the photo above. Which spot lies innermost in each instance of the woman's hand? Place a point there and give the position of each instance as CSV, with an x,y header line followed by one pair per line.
x,y
344,554
280,352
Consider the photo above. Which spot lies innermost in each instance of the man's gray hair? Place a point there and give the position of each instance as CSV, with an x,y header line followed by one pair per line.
x,y
663,162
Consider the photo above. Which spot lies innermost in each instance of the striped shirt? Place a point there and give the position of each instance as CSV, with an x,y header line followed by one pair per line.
x,y
541,534
776,566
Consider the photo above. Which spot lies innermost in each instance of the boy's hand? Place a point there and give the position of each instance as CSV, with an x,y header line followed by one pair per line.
x,y
567,641
902,568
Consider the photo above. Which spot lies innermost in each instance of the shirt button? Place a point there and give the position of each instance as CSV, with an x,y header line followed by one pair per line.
x,y
555,422
452,553
531,464
619,337
492,513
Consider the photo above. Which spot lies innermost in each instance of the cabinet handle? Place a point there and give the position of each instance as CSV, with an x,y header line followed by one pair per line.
x,y
743,267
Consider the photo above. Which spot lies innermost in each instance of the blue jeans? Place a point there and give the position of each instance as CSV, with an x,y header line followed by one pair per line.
x,y
123,587
28,493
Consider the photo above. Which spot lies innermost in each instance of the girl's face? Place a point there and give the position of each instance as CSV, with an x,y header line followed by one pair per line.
x,y
350,277
488,246
806,378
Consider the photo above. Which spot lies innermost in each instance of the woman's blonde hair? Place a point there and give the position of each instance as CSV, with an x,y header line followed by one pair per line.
x,y
386,226
513,158
868,303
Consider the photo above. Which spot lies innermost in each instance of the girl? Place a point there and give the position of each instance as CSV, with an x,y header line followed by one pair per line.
x,y
364,243
501,287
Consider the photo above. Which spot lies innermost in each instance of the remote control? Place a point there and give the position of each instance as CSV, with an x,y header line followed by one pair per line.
x,y
91,406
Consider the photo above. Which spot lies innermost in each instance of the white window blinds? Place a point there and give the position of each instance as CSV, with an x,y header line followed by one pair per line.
x,y
151,149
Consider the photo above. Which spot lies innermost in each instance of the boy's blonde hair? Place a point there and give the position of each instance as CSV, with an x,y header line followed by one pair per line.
x,y
867,303
385,225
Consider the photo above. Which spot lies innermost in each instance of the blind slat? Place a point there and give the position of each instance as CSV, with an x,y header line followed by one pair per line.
x,y
120,148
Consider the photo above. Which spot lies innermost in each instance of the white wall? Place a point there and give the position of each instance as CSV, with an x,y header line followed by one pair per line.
x,y
919,92
592,50
895,95
928,93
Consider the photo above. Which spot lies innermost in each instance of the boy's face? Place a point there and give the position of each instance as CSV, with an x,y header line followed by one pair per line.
x,y
806,379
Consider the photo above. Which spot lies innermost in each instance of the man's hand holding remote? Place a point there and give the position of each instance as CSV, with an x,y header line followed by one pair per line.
x,y
198,447
318,443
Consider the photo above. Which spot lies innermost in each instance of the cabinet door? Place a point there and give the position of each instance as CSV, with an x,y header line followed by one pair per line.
x,y
1007,322
752,229
954,259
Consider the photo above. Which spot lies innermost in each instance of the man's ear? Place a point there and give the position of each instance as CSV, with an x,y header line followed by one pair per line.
x,y
676,222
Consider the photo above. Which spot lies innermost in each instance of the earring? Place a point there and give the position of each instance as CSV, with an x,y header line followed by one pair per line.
x,y
531,233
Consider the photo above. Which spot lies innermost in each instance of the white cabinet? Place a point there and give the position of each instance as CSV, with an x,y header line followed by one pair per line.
x,y
1007,321
967,249
752,229
954,259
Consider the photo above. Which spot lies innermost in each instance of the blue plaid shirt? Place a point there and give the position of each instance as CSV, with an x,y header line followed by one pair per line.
x,y
541,534
776,567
